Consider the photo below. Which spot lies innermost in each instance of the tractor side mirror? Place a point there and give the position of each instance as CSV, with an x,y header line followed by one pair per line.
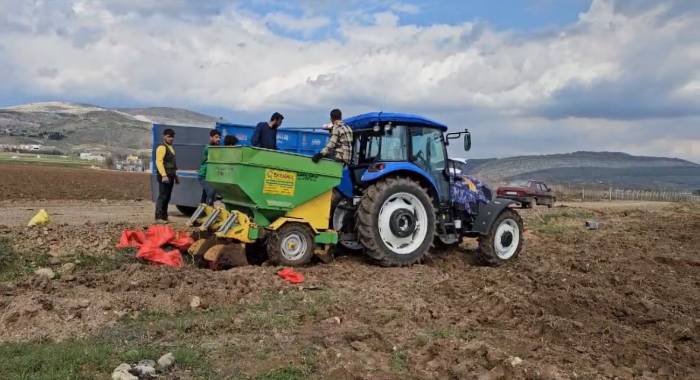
x,y
456,135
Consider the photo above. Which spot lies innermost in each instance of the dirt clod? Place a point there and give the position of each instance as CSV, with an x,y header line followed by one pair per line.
x,y
45,272
166,361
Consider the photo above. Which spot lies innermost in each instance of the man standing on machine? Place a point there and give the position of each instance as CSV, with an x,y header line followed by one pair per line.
x,y
265,135
340,143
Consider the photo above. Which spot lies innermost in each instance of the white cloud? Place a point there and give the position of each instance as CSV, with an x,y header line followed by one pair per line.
x,y
304,24
612,65
404,8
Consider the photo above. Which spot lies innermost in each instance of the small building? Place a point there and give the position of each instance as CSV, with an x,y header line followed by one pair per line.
x,y
130,164
30,147
91,156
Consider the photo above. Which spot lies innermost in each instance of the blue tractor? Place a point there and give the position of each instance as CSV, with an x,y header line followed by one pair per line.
x,y
402,195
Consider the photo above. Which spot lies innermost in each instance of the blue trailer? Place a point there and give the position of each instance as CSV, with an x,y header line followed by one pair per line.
x,y
190,141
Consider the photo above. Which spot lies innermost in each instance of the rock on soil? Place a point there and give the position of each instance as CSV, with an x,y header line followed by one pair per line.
x,y
145,369
166,361
66,268
45,272
122,372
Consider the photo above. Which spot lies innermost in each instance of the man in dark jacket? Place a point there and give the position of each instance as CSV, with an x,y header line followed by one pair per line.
x,y
208,192
166,174
265,135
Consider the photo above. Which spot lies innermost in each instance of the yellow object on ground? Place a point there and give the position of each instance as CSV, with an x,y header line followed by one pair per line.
x,y
41,217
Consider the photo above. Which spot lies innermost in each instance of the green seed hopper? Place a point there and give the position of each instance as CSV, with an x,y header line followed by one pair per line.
x,y
281,200
271,184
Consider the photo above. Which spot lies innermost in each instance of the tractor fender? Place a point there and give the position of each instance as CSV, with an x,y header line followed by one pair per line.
x,y
488,213
396,168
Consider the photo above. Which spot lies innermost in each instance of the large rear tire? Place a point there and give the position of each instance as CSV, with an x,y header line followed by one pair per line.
x,y
504,241
396,222
291,245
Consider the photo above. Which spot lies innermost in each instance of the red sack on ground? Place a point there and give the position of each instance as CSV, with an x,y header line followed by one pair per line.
x,y
159,255
182,240
151,241
131,239
158,235
291,276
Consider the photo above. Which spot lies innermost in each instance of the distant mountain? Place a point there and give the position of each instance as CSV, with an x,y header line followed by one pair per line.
x,y
592,168
168,115
72,127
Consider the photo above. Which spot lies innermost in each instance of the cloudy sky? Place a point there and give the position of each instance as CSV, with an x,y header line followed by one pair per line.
x,y
526,77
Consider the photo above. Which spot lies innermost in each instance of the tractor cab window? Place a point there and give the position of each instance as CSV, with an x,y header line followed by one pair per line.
x,y
427,149
385,145
428,152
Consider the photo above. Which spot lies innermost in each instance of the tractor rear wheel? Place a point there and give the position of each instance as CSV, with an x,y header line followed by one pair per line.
x,y
396,222
504,241
291,245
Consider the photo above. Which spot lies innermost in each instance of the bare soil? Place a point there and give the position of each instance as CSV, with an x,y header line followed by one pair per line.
x,y
79,212
619,302
26,181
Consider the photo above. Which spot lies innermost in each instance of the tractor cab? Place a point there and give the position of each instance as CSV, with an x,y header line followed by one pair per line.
x,y
401,144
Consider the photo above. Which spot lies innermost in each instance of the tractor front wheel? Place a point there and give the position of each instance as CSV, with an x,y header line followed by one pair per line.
x,y
396,222
291,245
504,241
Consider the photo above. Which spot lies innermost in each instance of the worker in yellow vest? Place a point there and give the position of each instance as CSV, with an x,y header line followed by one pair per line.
x,y
167,174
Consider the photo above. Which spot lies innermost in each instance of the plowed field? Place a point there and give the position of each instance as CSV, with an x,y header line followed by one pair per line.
x,y
619,302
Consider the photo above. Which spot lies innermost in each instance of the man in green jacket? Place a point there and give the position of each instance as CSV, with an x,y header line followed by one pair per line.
x,y
208,192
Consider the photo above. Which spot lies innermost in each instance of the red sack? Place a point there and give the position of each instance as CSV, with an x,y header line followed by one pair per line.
x,y
291,276
160,256
158,235
131,239
150,244
182,240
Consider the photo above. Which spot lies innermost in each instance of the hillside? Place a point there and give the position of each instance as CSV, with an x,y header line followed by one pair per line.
x,y
168,115
593,168
73,128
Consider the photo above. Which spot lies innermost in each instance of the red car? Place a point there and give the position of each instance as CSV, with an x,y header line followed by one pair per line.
x,y
528,193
